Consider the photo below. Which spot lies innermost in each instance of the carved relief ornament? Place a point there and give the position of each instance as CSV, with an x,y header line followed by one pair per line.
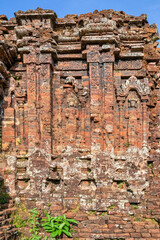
x,y
142,87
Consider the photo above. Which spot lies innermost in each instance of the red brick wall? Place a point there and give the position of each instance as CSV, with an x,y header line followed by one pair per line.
x,y
80,121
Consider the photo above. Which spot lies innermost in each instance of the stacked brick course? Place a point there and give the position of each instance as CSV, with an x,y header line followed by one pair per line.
x,y
80,107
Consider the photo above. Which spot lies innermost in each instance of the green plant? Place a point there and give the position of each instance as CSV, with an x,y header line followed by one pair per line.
x,y
120,185
72,230
23,218
34,237
15,77
34,223
24,158
20,217
111,207
134,206
150,165
137,219
7,171
56,226
127,144
103,213
154,221
91,212
19,141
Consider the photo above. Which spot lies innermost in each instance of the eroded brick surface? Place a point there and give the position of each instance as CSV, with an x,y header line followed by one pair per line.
x,y
80,106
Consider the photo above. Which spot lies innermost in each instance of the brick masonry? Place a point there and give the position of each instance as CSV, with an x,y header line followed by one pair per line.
x,y
79,119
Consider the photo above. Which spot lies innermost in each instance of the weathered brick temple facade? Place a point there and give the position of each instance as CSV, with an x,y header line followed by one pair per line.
x,y
80,106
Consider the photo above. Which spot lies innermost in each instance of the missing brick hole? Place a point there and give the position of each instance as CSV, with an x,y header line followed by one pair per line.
x,y
54,157
26,180
22,159
134,205
129,190
92,118
81,23
54,181
54,169
119,159
121,183
88,182
103,214
87,158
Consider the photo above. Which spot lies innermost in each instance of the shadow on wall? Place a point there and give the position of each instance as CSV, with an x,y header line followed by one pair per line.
x,y
7,231
4,196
